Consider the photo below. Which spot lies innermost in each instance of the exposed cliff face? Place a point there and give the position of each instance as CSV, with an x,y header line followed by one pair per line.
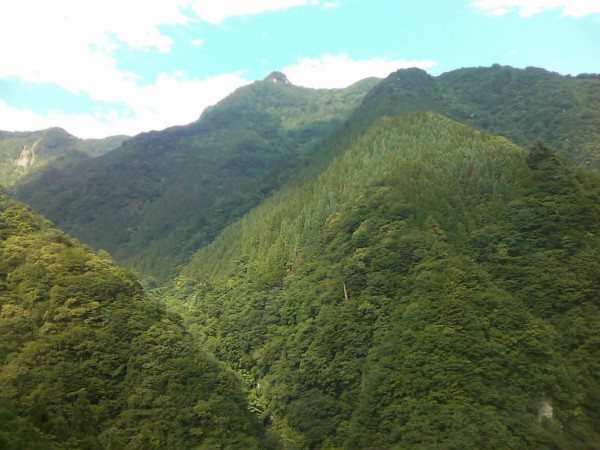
x,y
27,156
277,77
24,153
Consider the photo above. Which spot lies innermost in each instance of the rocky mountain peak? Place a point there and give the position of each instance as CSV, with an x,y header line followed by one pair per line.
x,y
277,77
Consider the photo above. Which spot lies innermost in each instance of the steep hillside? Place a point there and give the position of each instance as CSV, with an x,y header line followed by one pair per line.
x,y
24,154
409,281
522,105
531,104
435,287
162,195
87,360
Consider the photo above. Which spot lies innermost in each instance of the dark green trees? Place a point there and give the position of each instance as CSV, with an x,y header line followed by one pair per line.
x,y
162,195
420,284
88,360
427,290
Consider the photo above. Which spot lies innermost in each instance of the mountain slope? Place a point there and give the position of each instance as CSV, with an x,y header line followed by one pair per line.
x,y
24,154
87,360
526,105
164,194
435,287
522,105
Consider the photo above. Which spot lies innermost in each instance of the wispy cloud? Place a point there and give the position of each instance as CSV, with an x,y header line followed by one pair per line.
x,y
173,99
217,11
528,8
337,71
82,125
73,44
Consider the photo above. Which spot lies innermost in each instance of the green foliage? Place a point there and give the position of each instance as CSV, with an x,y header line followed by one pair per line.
x,y
527,105
87,360
435,287
24,154
162,195
404,282
522,105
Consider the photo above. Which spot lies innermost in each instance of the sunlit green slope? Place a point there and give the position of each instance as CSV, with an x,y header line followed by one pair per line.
x,y
162,195
522,105
88,361
434,287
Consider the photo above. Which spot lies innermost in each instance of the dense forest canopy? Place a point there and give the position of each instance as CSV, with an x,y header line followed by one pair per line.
x,y
522,105
163,195
422,293
88,360
405,263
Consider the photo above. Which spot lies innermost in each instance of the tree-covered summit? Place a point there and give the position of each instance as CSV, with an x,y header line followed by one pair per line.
x,y
163,194
434,287
523,105
89,360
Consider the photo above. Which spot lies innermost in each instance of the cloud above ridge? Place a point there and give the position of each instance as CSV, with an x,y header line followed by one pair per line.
x,y
528,8
338,71
72,44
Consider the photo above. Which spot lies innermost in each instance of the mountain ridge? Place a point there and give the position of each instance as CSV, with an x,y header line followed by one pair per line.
x,y
524,105
170,192
51,147
399,277
203,174
409,296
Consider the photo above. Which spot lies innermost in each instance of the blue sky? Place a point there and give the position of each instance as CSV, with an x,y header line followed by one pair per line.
x,y
105,67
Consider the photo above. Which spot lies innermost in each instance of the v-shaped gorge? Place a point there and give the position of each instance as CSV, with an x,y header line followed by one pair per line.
x,y
162,195
434,287
370,270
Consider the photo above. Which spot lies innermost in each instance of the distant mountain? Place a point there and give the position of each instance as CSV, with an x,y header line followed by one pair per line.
x,y
162,195
522,105
23,154
397,264
88,360
434,287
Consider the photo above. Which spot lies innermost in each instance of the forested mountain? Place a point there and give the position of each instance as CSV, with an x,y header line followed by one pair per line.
x,y
23,154
88,360
162,195
435,287
399,264
522,105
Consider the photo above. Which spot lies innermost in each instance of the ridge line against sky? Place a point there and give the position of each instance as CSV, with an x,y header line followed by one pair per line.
x,y
100,68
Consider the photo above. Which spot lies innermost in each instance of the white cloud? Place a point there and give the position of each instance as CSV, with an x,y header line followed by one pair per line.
x,y
337,71
528,8
72,44
217,11
173,99
81,125
180,98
